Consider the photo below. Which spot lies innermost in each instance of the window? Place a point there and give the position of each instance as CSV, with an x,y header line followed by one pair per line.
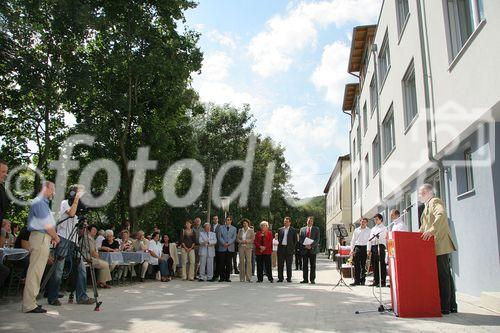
x,y
403,13
410,95
359,182
469,178
355,190
365,119
384,61
356,107
388,133
373,93
365,60
367,173
359,141
480,10
354,149
376,155
464,173
464,17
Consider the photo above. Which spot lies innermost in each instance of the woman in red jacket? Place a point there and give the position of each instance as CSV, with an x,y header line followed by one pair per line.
x,y
263,249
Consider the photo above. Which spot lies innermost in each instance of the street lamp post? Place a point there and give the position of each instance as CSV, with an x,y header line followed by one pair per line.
x,y
225,202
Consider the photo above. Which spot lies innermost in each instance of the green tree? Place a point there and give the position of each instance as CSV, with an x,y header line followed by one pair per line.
x,y
40,38
132,89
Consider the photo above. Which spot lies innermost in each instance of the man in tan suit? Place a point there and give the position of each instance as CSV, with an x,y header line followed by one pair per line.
x,y
435,224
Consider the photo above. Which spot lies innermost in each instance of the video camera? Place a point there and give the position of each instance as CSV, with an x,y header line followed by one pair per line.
x,y
81,209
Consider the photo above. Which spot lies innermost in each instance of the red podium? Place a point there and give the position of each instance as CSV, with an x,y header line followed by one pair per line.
x,y
413,271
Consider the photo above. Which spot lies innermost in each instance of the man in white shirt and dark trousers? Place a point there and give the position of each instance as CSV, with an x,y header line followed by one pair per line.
x,y
378,235
65,252
397,222
287,237
359,241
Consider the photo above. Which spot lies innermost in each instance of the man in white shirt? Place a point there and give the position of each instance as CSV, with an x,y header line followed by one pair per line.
x,y
287,238
359,241
378,235
397,222
65,251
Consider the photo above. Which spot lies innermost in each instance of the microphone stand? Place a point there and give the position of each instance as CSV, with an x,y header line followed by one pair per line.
x,y
381,308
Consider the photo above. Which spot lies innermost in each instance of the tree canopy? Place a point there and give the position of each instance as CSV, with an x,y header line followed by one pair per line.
x,y
121,71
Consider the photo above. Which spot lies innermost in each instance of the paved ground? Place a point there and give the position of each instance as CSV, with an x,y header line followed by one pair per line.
x,y
241,307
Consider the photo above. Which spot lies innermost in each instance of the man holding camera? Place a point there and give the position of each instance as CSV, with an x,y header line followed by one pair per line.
x,y
65,251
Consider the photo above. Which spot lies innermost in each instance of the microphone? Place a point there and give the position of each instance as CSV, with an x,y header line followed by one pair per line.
x,y
374,236
406,209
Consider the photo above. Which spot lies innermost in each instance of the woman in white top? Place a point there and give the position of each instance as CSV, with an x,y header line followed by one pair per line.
x,y
274,256
156,260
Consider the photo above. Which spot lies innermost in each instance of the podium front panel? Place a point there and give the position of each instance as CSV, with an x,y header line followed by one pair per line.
x,y
414,279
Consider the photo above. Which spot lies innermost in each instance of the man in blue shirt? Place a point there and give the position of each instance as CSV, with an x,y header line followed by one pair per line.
x,y
42,225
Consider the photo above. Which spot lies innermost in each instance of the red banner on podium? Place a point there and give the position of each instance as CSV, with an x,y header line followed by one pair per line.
x,y
413,271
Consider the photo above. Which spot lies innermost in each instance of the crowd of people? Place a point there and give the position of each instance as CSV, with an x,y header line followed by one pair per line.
x,y
208,252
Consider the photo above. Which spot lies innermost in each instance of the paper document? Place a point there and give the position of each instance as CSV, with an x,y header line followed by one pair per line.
x,y
308,241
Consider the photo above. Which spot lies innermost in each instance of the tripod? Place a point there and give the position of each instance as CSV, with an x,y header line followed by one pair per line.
x,y
78,255
341,233
381,308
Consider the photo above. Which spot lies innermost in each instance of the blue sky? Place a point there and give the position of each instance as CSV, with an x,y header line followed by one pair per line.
x,y
288,60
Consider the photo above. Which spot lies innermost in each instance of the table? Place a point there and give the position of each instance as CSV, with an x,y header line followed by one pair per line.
x,y
114,258
12,254
136,257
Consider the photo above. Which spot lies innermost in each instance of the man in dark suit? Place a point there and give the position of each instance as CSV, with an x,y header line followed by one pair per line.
x,y
309,251
287,238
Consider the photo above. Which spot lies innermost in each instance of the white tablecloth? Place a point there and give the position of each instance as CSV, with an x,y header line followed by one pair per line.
x,y
124,257
12,254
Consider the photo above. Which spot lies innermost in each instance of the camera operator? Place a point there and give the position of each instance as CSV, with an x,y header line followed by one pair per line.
x,y
64,253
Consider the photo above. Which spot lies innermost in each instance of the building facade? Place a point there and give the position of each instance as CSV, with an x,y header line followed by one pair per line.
x,y
426,109
338,201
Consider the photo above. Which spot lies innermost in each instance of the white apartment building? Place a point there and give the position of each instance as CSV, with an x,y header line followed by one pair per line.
x,y
426,109
338,201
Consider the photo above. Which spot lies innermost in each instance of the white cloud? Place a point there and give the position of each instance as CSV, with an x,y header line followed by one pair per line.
x,y
213,86
306,139
221,93
301,131
331,74
216,66
222,38
273,50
